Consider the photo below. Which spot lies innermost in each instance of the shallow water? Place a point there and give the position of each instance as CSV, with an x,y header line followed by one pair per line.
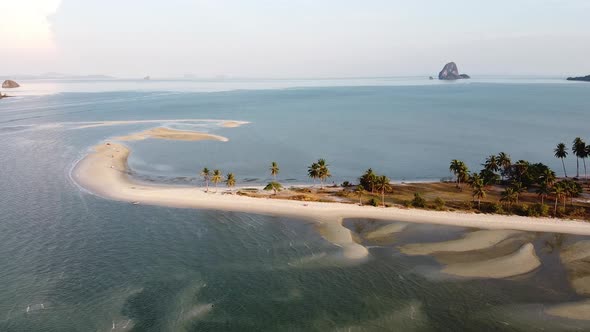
x,y
75,262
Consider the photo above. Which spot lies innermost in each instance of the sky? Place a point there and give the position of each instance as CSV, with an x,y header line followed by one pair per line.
x,y
293,38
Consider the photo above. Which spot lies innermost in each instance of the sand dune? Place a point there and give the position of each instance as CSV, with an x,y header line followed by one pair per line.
x,y
471,241
521,262
171,134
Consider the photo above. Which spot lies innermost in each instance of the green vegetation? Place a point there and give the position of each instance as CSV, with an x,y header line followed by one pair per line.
x,y
319,170
274,186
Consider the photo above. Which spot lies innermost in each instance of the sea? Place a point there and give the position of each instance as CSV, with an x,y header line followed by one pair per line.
x,y
73,261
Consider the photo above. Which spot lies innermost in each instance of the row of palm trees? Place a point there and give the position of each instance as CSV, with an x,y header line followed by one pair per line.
x,y
319,170
580,150
215,177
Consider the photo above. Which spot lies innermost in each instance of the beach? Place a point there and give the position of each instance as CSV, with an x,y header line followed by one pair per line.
x,y
104,172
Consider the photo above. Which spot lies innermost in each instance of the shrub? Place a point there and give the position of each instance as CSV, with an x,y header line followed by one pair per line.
x,y
497,208
578,212
521,210
374,202
439,203
418,201
346,184
538,210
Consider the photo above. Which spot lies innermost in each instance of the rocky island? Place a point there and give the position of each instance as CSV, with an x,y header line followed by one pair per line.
x,y
450,72
10,84
581,78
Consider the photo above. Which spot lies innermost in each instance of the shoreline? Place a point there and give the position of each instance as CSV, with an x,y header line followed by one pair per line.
x,y
105,173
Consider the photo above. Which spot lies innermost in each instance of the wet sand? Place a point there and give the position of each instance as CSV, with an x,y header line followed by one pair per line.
x,y
574,310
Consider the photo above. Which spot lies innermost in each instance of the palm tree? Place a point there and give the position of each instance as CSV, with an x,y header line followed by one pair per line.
x,y
323,171
585,153
360,190
274,169
548,177
491,164
559,192
367,180
275,186
206,175
561,153
460,170
382,184
579,149
543,191
313,171
518,189
478,186
230,181
216,178
508,196
503,160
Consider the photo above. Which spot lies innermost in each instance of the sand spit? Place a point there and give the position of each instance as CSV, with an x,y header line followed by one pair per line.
x,y
472,241
171,134
574,310
104,172
521,262
94,124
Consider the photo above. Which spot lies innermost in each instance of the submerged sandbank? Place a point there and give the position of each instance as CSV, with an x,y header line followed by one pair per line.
x,y
477,240
574,310
171,134
94,124
104,172
521,262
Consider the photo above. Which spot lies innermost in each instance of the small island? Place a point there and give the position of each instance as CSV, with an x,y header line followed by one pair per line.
x,y
10,84
450,72
581,78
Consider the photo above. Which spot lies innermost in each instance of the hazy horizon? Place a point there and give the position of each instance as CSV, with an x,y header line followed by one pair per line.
x,y
307,39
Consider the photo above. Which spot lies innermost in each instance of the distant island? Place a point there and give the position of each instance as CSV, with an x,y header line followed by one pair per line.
x,y
581,78
10,84
450,72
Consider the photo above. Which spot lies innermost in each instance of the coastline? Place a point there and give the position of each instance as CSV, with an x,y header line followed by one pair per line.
x,y
105,172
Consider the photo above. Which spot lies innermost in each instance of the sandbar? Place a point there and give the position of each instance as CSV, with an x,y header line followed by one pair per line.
x,y
171,134
477,240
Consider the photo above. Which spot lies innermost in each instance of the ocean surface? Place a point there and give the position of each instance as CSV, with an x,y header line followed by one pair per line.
x,y
71,261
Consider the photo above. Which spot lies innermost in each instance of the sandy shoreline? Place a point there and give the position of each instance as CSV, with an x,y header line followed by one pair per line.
x,y
105,173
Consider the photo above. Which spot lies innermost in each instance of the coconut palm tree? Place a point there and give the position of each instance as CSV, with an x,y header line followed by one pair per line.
x,y
313,171
274,186
503,160
383,184
367,180
460,171
323,171
559,192
274,169
230,181
216,178
491,164
543,191
206,174
547,178
518,189
508,196
561,153
478,187
579,149
360,190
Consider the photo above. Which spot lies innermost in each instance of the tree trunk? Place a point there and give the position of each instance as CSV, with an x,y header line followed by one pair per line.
x,y
207,184
479,203
542,199
361,199
577,167
555,210
383,197
563,164
584,160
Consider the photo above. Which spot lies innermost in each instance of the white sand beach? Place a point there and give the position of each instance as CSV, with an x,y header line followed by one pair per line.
x,y
104,172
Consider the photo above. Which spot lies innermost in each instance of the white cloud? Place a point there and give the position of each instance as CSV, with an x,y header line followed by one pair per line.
x,y
24,24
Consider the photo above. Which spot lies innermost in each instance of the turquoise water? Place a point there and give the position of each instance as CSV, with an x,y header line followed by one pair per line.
x,y
71,261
